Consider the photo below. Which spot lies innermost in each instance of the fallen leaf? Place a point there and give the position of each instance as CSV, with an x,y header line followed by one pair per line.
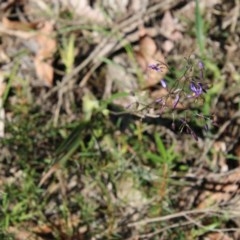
x,y
217,236
48,174
58,224
147,46
83,9
3,56
142,62
16,25
170,29
46,47
18,29
22,234
168,45
42,43
44,71
168,25
46,42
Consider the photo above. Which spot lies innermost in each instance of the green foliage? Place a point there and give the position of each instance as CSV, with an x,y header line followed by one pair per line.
x,y
16,201
199,29
67,52
11,78
163,155
72,142
196,233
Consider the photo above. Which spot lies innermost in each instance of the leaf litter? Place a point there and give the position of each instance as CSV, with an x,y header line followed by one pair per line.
x,y
103,203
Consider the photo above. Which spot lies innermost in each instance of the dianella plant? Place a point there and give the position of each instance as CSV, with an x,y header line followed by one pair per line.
x,y
183,96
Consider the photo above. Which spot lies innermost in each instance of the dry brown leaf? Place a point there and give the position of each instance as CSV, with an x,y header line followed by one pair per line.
x,y
170,29
83,9
222,189
219,160
136,6
3,56
147,46
168,45
48,174
167,24
18,29
217,236
44,71
47,44
141,60
49,228
22,234
16,25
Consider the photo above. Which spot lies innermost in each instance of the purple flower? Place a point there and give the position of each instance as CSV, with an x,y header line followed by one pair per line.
x,y
196,88
163,83
155,67
200,65
158,100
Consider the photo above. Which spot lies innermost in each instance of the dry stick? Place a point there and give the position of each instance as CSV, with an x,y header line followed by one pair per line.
x,y
150,235
194,221
175,215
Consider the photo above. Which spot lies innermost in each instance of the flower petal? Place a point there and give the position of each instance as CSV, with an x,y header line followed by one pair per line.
x,y
155,67
200,65
163,83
